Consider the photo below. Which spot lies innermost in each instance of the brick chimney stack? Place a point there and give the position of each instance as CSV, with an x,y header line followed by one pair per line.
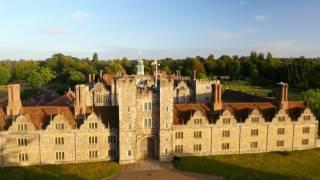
x,y
81,99
89,78
282,95
14,102
94,78
101,74
216,98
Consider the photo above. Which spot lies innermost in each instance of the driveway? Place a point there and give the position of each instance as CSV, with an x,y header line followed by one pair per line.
x,y
157,170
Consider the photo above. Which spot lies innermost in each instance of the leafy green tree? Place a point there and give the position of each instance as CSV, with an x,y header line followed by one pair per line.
x,y
95,57
5,75
76,77
269,56
40,77
211,66
198,66
298,71
23,68
313,77
313,101
113,67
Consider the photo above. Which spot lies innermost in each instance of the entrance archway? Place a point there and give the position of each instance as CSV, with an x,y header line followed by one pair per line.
x,y
147,149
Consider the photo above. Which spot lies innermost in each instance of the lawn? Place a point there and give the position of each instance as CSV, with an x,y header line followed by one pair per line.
x,y
276,165
294,94
96,170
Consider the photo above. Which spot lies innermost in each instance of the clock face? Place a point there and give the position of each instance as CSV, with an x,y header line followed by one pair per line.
x,y
140,83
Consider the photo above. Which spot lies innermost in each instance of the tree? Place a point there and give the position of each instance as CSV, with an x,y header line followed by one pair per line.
x,y
269,56
5,75
313,101
23,68
198,66
298,71
313,77
113,67
40,77
76,77
95,57
211,66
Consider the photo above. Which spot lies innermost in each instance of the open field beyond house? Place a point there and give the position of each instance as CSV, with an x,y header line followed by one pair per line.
x,y
294,94
98,170
276,165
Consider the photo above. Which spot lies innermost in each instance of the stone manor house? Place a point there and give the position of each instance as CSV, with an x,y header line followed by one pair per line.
x,y
130,118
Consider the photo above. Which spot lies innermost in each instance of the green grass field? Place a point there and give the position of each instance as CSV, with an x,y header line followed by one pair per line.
x,y
276,165
96,170
294,94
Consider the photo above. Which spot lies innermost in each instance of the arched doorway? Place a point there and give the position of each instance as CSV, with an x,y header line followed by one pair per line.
x,y
147,148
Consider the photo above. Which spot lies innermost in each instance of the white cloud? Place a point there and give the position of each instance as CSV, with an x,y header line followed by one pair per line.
x,y
260,18
242,3
55,30
80,15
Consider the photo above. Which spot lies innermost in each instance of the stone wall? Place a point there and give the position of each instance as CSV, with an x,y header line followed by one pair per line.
x,y
246,137
166,121
126,89
203,90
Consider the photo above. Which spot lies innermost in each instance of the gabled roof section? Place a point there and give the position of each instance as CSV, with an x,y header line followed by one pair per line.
x,y
108,114
240,110
41,115
183,112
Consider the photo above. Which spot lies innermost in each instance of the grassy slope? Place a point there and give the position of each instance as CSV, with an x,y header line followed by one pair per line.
x,y
97,170
285,165
294,94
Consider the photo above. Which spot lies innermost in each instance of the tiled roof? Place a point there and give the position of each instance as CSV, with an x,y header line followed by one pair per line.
x,y
64,100
108,114
242,110
238,96
41,115
240,105
183,112
3,122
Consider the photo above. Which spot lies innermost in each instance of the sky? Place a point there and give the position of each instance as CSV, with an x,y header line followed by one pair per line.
x,y
36,29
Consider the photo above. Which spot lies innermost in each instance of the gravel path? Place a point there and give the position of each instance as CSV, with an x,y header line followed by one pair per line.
x,y
157,170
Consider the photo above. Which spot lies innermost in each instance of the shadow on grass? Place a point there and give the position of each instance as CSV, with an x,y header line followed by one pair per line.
x,y
98,170
35,173
227,170
282,153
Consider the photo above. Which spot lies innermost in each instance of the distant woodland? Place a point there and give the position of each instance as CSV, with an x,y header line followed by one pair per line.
x,y
62,71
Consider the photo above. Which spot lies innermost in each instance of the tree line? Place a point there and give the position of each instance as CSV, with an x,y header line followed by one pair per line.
x,y
62,71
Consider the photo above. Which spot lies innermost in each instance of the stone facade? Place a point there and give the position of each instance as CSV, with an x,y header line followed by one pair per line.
x,y
130,119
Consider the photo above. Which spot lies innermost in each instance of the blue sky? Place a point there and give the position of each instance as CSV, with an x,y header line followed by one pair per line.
x,y
36,29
